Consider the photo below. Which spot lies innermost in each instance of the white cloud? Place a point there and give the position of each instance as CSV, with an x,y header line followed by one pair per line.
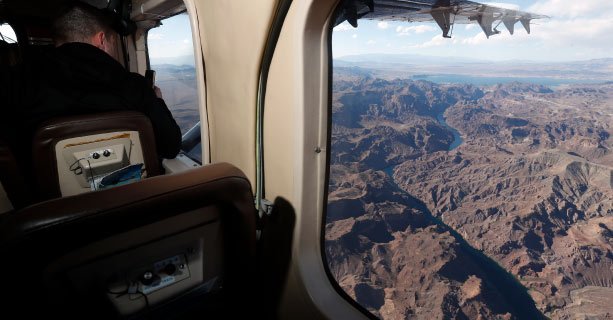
x,y
186,41
419,29
578,34
345,26
476,40
155,36
371,42
575,30
573,8
383,25
436,41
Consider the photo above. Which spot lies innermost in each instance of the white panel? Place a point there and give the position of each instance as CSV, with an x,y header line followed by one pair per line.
x,y
69,182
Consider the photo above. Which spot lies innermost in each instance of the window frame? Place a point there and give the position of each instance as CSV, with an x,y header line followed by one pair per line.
x,y
296,161
331,278
188,139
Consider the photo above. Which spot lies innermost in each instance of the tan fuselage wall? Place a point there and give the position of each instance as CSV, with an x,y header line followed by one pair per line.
x,y
233,35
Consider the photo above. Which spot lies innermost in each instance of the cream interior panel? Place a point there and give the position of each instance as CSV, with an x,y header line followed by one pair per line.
x,y
69,183
5,202
200,77
233,35
179,164
280,115
141,51
295,127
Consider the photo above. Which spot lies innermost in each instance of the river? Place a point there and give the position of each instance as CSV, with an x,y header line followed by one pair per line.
x,y
457,138
504,282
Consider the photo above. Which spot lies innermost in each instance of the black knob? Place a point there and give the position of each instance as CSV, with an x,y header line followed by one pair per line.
x,y
106,153
95,155
170,269
149,278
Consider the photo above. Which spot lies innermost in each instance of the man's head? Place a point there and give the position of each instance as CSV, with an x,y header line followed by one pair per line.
x,y
86,24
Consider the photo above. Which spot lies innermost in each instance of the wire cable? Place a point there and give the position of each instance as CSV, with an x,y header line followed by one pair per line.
x,y
92,175
78,167
147,310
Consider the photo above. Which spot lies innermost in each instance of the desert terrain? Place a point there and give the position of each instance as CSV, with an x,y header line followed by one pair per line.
x,y
458,201
178,86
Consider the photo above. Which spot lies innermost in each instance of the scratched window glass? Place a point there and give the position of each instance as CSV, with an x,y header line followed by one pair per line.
x,y
471,159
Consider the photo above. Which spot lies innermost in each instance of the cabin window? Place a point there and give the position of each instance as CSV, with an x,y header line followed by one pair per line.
x,y
7,34
171,55
471,176
10,53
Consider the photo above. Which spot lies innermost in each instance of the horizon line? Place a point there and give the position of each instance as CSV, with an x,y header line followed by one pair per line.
x,y
469,58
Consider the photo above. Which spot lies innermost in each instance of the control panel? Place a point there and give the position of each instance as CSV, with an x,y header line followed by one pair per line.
x,y
155,270
150,280
106,154
90,163
101,160
160,274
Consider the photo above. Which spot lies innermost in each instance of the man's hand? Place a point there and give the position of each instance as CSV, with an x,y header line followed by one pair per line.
x,y
158,92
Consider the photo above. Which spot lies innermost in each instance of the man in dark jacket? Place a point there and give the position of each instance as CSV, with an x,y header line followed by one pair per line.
x,y
80,76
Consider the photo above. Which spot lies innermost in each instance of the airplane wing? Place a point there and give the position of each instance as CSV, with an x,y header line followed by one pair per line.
x,y
445,13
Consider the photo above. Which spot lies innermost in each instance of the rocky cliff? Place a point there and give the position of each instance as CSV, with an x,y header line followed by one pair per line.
x,y
530,187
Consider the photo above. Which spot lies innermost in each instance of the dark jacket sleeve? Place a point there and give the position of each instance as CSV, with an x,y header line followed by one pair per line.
x,y
167,132
9,87
10,81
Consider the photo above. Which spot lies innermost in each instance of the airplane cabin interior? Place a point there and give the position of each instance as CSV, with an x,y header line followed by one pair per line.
x,y
97,227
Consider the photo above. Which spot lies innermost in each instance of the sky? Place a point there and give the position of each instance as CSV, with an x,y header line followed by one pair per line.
x,y
576,30
172,39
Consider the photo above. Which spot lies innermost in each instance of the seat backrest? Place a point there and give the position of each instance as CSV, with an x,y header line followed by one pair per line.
x,y
63,145
9,54
14,193
147,247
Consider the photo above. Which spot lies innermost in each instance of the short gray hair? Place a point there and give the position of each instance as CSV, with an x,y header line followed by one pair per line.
x,y
79,23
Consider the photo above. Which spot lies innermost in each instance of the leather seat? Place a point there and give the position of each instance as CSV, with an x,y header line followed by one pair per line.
x,y
11,180
10,54
63,255
46,162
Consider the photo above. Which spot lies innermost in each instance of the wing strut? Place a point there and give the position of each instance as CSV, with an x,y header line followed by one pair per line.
x,y
526,23
509,23
486,19
442,18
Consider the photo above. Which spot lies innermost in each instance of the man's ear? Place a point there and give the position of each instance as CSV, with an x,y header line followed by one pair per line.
x,y
99,40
